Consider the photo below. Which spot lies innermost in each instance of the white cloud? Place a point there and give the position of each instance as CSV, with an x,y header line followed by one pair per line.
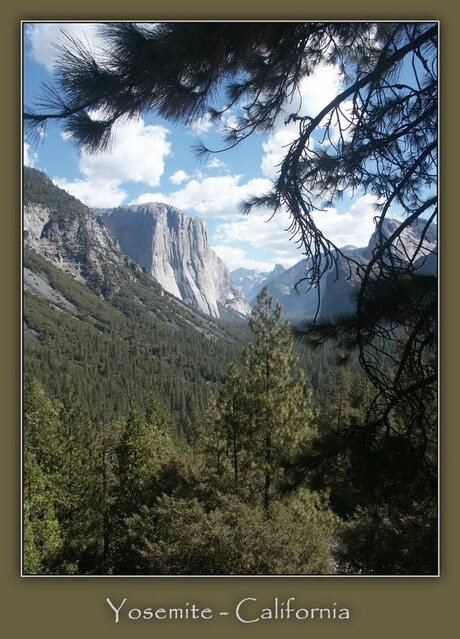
x,y
276,147
262,232
152,197
214,197
316,91
257,231
235,257
352,227
202,124
179,176
44,36
30,158
229,120
94,192
136,154
216,163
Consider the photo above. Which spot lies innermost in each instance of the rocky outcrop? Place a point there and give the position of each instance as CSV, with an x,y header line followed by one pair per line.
x,y
173,248
78,245
409,241
291,289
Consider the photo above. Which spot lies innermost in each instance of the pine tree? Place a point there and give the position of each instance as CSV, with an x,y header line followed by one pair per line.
x,y
208,441
79,483
62,485
233,420
276,404
145,448
42,534
40,422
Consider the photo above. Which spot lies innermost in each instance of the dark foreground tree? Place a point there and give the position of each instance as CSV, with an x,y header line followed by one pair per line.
x,y
62,528
380,461
145,449
188,536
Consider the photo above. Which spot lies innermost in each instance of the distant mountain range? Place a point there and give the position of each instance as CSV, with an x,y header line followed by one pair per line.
x,y
334,296
171,246
250,282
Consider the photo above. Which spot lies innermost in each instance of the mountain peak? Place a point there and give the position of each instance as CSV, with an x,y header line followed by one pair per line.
x,y
172,245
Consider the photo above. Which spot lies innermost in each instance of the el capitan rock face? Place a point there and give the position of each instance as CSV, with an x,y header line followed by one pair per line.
x,y
90,245
172,246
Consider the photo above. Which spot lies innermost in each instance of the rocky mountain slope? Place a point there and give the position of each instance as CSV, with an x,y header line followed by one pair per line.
x,y
172,246
336,288
64,232
155,238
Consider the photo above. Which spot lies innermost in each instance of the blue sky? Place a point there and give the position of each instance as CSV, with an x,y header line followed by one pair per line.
x,y
152,160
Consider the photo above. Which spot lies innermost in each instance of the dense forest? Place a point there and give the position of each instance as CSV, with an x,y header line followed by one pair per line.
x,y
213,500
110,351
262,480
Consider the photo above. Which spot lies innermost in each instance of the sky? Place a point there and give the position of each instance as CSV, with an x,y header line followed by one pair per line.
x,y
152,160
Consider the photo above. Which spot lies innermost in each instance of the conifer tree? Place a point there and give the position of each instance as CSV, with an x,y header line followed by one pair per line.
x,y
233,420
276,400
209,441
42,535
78,480
40,426
145,448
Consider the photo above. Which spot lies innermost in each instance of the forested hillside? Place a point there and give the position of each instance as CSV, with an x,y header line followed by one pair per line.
x,y
158,440
217,500
113,333
109,352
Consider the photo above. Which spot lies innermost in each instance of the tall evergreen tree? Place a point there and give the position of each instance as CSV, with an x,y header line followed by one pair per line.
x,y
274,413
234,421
42,534
209,441
78,480
40,426
145,448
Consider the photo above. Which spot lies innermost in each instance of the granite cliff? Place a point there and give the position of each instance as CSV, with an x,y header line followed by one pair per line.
x,y
172,246
90,245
